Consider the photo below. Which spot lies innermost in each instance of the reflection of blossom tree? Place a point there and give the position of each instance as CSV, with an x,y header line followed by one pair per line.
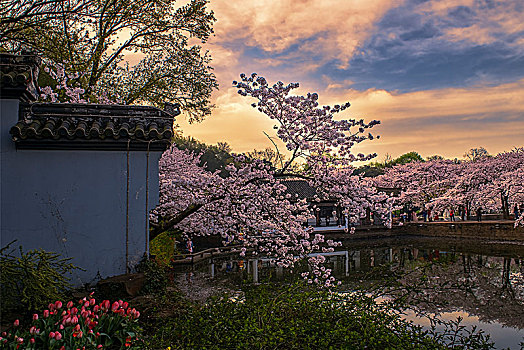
x,y
491,288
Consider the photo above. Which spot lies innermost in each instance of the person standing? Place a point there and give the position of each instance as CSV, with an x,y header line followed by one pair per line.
x,y
516,211
479,214
451,215
189,246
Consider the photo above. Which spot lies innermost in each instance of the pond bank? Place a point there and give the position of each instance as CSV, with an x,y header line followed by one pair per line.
x,y
500,230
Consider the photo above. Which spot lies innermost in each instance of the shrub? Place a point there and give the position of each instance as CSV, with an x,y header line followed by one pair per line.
x,y
162,246
85,326
293,318
29,281
156,279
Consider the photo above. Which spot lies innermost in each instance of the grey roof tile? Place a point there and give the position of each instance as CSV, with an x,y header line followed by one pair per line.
x,y
54,122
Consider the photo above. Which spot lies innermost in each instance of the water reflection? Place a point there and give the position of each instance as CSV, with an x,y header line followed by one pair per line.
x,y
482,283
436,281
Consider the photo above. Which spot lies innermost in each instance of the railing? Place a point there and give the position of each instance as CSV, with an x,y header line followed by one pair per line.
x,y
205,254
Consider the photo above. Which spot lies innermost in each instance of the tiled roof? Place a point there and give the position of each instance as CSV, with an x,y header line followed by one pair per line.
x,y
18,76
60,125
298,187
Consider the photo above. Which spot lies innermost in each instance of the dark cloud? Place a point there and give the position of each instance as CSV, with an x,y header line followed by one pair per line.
x,y
409,52
426,31
460,16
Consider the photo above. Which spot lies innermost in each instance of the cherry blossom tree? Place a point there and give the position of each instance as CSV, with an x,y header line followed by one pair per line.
x,y
490,182
423,184
251,202
505,185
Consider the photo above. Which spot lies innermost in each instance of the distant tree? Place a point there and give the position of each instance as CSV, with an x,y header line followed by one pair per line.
x,y
93,37
211,157
407,158
476,153
387,159
369,170
390,162
269,156
434,157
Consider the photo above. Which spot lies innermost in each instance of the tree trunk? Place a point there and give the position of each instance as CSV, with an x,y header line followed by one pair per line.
x,y
505,206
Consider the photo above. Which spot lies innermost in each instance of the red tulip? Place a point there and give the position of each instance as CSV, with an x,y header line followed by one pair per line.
x,y
115,306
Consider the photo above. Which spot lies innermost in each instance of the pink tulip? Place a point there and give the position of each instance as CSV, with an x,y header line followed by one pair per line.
x,y
32,340
16,323
69,304
35,317
58,304
51,334
58,336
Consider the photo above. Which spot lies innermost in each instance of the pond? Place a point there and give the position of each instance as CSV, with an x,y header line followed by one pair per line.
x,y
480,282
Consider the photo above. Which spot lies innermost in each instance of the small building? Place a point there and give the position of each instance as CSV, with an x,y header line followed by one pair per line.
x,y
328,216
77,179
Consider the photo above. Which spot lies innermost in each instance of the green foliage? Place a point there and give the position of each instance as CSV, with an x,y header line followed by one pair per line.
x,y
293,317
475,154
369,170
214,157
84,325
163,247
407,158
155,277
92,38
31,280
377,168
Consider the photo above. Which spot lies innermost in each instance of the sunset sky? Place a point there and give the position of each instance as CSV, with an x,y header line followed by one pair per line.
x,y
442,76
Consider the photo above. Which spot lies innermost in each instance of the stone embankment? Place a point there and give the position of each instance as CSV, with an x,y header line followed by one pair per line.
x,y
499,230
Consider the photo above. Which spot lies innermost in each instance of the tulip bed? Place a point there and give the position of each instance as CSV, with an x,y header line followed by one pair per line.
x,y
81,325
